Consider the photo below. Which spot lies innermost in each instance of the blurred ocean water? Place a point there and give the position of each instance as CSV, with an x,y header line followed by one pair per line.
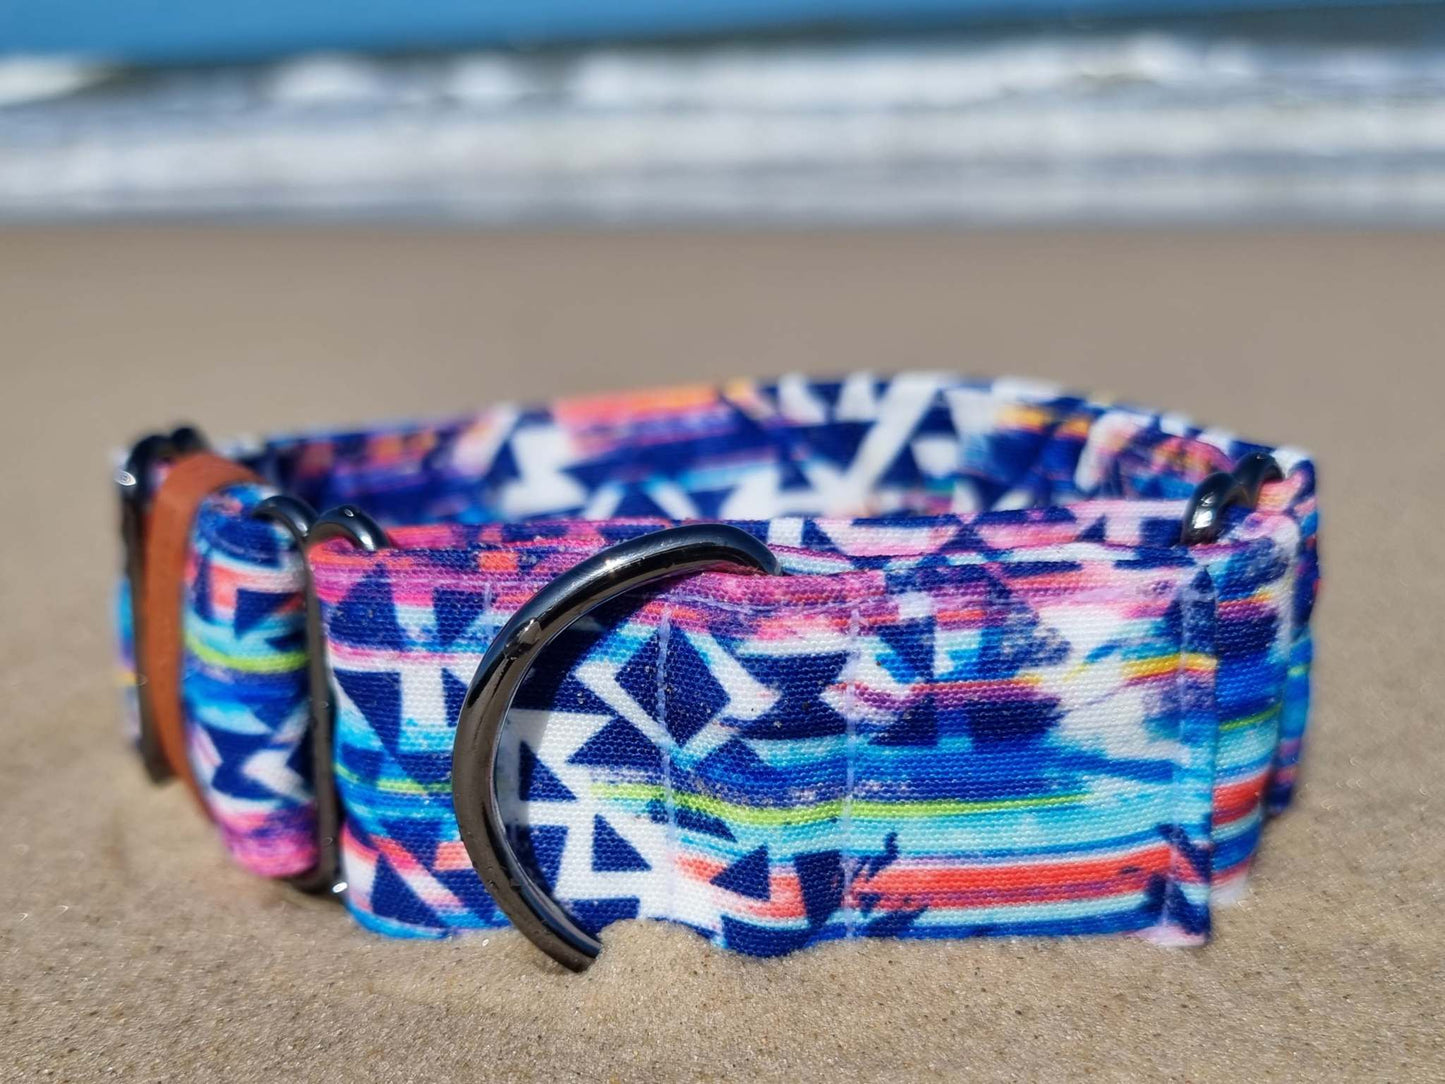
x,y
1123,125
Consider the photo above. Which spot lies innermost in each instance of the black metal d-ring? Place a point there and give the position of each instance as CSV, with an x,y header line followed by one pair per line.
x,y
307,529
1204,514
603,576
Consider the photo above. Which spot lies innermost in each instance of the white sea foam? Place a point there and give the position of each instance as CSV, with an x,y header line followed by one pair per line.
x,y
489,81
1053,128
34,79
329,79
896,78
865,76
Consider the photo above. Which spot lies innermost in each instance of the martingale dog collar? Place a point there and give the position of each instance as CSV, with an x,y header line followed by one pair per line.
x,y
917,656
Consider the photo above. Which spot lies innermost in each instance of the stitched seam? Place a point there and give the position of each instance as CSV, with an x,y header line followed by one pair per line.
x,y
1191,599
1181,700
850,760
669,796
875,588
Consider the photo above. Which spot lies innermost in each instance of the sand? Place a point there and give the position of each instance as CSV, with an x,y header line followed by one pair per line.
x,y
130,946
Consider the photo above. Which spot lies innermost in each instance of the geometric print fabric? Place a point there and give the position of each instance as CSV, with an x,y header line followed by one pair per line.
x,y
991,694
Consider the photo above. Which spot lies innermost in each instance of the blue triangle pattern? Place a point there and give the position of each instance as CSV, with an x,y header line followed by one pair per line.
x,y
253,607
455,611
734,766
619,744
596,915
697,821
820,875
752,939
275,710
912,644
230,776
799,710
392,897
639,678
366,617
689,820
892,923
917,726
539,849
536,782
454,692
287,642
748,876
611,853
377,695
695,696
201,590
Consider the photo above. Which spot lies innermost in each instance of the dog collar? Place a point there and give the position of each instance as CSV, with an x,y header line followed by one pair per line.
x,y
916,656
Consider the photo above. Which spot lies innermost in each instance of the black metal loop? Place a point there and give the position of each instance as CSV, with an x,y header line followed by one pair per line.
x,y
1254,471
133,482
1204,514
292,513
186,439
307,529
603,576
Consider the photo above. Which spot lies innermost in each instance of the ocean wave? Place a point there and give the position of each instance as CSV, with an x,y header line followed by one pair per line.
x,y
1072,126
37,79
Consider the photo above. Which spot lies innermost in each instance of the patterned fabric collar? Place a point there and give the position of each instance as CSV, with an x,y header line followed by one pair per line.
x,y
992,695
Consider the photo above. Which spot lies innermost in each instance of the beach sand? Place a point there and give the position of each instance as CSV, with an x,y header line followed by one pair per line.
x,y
129,945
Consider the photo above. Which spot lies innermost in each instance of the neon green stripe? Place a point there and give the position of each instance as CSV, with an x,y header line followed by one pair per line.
x,y
393,786
265,664
1250,720
760,815
824,811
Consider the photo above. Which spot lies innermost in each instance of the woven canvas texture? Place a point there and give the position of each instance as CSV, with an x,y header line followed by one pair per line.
x,y
244,685
991,695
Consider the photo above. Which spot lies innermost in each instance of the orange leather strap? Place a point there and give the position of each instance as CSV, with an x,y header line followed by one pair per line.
x,y
167,547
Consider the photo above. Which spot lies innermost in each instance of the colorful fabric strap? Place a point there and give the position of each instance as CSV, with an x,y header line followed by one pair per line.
x,y
993,694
